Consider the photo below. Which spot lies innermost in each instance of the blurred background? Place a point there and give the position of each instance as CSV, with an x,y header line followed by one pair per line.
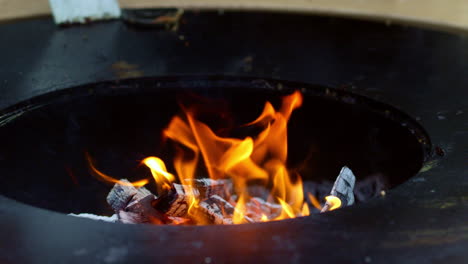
x,y
451,14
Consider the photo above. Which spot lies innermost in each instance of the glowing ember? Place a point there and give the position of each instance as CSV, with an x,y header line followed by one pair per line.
x,y
233,165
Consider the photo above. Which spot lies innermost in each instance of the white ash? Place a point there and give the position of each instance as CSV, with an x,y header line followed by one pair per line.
x,y
111,219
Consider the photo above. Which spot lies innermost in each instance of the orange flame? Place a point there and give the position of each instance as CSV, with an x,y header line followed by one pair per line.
x,y
260,158
314,201
108,178
253,158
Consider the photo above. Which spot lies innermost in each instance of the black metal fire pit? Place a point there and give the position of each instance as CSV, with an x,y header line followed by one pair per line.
x,y
120,123
419,72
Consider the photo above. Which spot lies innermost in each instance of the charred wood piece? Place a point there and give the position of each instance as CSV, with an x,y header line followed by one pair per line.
x,y
133,205
365,189
141,211
176,201
123,193
257,206
208,187
219,211
343,188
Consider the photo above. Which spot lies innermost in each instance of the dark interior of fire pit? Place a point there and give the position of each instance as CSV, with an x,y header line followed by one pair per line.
x,y
42,158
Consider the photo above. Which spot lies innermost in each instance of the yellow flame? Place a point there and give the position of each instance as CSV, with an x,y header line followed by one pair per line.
x,y
305,210
192,206
239,212
194,213
285,190
264,218
159,172
287,211
334,202
236,154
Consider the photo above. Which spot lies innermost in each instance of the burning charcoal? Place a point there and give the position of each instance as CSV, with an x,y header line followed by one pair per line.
x,y
133,205
257,206
174,220
208,187
343,189
141,211
122,194
129,217
219,211
175,202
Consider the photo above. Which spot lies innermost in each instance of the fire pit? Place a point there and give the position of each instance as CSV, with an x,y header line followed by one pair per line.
x,y
112,127
58,104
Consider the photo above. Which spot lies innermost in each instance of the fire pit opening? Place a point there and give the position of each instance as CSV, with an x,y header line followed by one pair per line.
x,y
60,149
